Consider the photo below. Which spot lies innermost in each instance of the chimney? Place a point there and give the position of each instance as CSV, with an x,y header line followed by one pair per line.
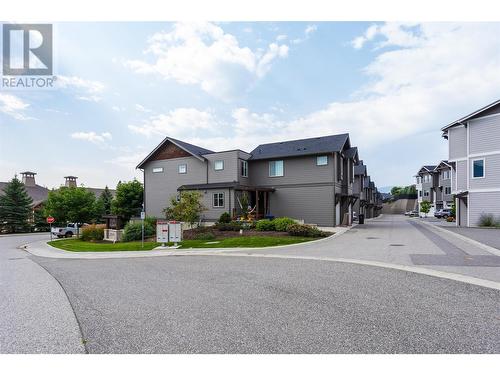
x,y
28,178
70,181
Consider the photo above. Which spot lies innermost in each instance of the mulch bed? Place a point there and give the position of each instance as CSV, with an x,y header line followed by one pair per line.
x,y
190,234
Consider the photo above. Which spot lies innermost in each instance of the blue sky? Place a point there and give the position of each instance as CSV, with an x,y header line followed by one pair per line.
x,y
122,87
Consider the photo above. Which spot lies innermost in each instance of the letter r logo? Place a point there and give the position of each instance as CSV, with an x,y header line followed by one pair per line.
x,y
27,49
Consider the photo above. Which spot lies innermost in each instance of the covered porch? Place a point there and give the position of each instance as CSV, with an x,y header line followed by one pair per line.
x,y
256,199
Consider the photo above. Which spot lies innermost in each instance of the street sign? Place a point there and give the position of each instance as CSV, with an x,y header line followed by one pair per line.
x,y
50,220
143,215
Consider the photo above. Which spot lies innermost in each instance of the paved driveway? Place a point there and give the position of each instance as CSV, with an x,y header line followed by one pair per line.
x,y
246,303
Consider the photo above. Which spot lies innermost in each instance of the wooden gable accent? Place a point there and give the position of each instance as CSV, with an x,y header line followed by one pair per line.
x,y
169,151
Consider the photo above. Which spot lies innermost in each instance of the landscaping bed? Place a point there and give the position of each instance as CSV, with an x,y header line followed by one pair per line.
x,y
78,245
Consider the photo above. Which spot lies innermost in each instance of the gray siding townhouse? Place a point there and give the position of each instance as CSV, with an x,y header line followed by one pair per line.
x,y
307,179
474,157
427,183
444,198
360,174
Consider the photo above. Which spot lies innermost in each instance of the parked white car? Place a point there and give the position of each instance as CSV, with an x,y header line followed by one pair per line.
x,y
68,231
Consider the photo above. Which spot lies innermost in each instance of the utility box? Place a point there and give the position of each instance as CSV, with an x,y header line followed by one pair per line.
x,y
162,231
175,231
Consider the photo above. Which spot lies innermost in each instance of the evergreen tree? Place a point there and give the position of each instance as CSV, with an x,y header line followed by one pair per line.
x,y
15,207
106,198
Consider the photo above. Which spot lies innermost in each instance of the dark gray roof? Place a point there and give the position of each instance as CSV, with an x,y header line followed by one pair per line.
x,y
193,149
98,191
37,193
372,184
360,169
430,167
308,146
351,152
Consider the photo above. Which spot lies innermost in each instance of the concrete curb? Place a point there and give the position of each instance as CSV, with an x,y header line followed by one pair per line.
x,y
42,249
481,245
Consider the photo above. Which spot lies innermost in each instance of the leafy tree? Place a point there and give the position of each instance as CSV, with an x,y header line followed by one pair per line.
x,y
103,205
396,190
40,220
425,207
453,211
188,208
15,206
70,204
128,199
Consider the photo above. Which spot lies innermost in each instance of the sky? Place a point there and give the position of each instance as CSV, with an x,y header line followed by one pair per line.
x,y
122,87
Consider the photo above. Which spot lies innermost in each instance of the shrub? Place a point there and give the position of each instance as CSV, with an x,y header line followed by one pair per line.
x,y
488,220
225,218
281,224
133,231
231,226
302,230
93,232
265,225
150,220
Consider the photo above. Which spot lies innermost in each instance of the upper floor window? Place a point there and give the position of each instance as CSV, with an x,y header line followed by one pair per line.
x,y
322,160
244,168
218,200
219,165
157,170
182,168
447,190
478,168
276,168
420,193
426,193
419,180
446,175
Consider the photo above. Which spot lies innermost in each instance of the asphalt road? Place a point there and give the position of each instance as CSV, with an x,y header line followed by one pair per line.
x,y
213,304
35,314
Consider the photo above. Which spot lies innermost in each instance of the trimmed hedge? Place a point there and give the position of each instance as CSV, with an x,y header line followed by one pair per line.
x,y
225,218
281,224
232,226
93,232
133,231
303,230
265,225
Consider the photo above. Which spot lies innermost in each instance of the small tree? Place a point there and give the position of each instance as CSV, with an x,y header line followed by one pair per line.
x,y
128,199
187,208
15,207
244,204
396,190
103,205
70,204
425,207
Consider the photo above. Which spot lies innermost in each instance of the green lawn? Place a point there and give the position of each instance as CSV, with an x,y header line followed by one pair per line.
x,y
251,241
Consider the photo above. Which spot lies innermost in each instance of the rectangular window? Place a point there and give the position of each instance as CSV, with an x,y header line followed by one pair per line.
x,y
219,165
276,168
447,190
244,168
478,168
157,170
446,175
218,199
426,193
420,193
182,168
322,160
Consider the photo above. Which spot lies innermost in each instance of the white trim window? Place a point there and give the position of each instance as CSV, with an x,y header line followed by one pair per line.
x,y
478,168
447,190
244,168
218,200
322,160
182,168
219,165
446,174
276,168
158,170
426,193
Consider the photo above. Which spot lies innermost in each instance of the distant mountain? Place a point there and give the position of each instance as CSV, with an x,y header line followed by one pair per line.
x,y
385,189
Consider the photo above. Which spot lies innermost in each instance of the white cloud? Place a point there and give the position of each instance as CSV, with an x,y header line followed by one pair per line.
x,y
13,106
204,54
281,37
93,137
308,31
86,90
117,108
141,108
177,122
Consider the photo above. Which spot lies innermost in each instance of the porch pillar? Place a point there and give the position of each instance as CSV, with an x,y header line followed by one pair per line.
x,y
257,204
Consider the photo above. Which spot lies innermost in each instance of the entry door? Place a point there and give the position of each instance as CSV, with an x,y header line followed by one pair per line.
x,y
337,214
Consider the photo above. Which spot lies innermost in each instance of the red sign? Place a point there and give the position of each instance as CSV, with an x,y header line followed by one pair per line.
x,y
50,220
